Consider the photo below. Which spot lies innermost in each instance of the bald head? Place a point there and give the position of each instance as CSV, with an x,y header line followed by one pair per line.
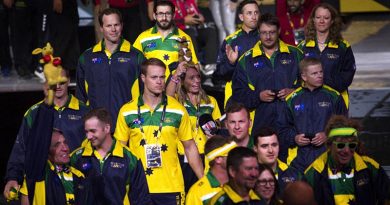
x,y
298,193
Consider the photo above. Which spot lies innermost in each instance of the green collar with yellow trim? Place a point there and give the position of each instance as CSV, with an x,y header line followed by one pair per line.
x,y
213,180
321,161
258,50
116,149
164,100
123,46
71,103
236,198
175,30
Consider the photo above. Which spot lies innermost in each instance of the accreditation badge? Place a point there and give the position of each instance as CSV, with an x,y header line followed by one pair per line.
x,y
299,35
153,156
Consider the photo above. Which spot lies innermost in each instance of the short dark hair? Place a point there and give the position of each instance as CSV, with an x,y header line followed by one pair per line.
x,y
163,3
101,114
309,61
263,132
236,156
269,19
109,11
233,107
244,3
151,61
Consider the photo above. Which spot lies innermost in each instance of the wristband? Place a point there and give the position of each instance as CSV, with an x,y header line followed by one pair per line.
x,y
175,80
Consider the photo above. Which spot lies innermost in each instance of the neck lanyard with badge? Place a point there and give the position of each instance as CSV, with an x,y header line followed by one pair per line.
x,y
299,33
152,151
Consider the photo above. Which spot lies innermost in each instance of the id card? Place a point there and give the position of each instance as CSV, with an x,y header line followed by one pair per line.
x,y
153,156
299,35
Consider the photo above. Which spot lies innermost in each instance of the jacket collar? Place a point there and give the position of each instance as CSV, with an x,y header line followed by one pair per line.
x,y
236,198
124,46
258,50
116,149
312,44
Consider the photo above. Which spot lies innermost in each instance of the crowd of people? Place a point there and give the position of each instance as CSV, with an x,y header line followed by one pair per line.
x,y
142,130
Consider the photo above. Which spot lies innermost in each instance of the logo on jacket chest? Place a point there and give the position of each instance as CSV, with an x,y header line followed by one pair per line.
x,y
324,104
74,117
310,54
151,45
97,60
258,64
299,107
117,165
285,61
123,60
332,56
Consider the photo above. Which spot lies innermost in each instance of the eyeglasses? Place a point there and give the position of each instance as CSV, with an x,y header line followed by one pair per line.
x,y
341,145
161,14
264,33
271,182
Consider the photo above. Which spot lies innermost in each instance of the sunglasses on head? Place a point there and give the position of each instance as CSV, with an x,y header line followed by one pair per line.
x,y
341,145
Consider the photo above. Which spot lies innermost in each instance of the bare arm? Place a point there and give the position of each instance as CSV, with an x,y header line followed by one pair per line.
x,y
193,156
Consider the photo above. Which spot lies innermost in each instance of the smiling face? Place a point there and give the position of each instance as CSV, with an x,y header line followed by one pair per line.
x,y
342,156
247,173
267,150
59,149
111,28
322,20
97,132
192,81
265,185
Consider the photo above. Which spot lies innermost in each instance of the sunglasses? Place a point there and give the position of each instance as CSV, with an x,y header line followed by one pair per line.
x,y
341,145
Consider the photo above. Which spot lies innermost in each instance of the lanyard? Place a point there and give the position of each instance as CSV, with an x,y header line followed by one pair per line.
x,y
301,22
161,120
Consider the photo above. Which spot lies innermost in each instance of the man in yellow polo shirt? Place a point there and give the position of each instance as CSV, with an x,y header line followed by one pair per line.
x,y
216,150
162,40
152,125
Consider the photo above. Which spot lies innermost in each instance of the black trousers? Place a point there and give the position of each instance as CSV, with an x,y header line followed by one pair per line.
x,y
205,38
131,23
5,57
24,24
63,34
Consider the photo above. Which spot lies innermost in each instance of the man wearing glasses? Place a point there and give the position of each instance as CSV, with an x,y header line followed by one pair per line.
x,y
162,41
342,175
266,74
307,110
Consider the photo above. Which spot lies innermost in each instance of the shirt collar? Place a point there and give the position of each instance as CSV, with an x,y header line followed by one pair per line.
x,y
213,180
116,149
123,46
258,50
236,198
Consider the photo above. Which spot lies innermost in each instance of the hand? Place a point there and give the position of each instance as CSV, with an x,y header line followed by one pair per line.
x,y
282,94
8,3
10,184
232,6
301,140
267,96
191,19
57,6
319,139
231,54
180,70
201,18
